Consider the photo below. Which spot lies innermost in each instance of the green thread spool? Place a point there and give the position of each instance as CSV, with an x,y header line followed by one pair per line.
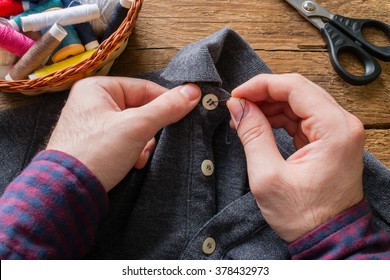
x,y
70,46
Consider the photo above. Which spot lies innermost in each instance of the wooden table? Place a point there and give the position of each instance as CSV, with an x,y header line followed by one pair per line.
x,y
283,38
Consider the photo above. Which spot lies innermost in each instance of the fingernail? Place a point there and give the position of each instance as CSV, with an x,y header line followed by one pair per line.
x,y
236,109
191,91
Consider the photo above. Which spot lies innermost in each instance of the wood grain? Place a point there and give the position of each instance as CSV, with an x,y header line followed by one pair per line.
x,y
378,143
283,38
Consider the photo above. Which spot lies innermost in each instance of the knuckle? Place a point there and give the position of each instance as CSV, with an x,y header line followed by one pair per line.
x,y
251,134
298,81
148,90
267,182
357,132
84,86
273,175
87,81
298,77
141,128
166,109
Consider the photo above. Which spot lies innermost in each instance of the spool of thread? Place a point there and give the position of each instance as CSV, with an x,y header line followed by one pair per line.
x,y
16,22
35,35
38,53
68,16
4,71
61,65
84,30
6,58
14,41
13,7
70,46
120,13
107,8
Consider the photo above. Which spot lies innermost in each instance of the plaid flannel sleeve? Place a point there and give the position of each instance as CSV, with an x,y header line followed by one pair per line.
x,y
51,210
350,235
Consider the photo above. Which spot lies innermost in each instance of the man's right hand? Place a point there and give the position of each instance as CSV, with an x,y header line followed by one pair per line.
x,y
323,177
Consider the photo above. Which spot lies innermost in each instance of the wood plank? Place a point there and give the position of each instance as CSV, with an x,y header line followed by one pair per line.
x,y
378,143
265,24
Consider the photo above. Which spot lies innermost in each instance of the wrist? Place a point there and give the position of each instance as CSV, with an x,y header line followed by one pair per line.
x,y
317,221
301,219
332,240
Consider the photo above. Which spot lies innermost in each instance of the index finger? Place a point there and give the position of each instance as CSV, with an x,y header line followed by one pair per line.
x,y
304,97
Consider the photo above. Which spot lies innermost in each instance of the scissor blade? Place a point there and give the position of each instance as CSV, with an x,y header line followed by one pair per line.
x,y
311,10
297,4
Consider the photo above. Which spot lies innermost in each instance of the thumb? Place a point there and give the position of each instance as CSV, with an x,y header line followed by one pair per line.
x,y
167,108
256,135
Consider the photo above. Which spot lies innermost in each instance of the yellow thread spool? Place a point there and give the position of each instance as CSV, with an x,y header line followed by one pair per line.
x,y
61,65
67,51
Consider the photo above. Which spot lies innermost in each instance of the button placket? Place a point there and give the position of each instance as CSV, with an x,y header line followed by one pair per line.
x,y
210,102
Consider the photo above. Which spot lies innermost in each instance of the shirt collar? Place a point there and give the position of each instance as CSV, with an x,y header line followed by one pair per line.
x,y
218,58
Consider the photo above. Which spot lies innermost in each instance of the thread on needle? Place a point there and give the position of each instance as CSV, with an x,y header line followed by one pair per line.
x,y
242,103
243,106
68,16
243,111
38,53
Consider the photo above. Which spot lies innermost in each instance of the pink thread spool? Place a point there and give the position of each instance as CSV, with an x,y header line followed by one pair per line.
x,y
37,54
14,41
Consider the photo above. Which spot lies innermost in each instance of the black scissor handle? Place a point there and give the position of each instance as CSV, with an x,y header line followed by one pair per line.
x,y
337,43
353,27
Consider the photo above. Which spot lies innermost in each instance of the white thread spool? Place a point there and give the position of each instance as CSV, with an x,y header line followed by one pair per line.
x,y
68,16
107,8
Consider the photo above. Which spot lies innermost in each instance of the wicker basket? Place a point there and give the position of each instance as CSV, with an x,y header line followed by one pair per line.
x,y
98,64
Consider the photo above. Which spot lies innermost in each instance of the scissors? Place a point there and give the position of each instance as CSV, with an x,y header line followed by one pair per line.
x,y
344,35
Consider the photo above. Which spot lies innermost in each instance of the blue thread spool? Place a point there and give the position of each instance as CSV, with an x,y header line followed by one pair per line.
x,y
118,17
70,46
16,22
84,30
